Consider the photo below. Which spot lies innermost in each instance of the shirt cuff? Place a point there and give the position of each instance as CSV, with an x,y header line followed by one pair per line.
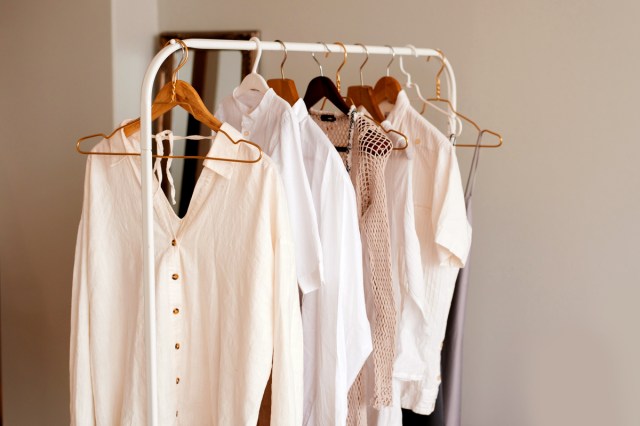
x,y
454,241
312,280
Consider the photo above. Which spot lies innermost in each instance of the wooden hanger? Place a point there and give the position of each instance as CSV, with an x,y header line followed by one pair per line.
x,y
322,87
363,95
438,98
175,93
387,88
284,87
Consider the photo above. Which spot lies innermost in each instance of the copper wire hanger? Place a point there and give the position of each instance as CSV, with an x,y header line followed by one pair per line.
x,y
438,98
176,92
411,84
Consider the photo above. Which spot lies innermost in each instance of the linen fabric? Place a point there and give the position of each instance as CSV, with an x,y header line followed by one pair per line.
x,y
227,304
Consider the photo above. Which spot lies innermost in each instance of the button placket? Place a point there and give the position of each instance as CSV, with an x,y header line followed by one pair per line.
x,y
176,312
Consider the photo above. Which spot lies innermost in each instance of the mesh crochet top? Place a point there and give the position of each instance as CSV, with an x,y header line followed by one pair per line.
x,y
365,149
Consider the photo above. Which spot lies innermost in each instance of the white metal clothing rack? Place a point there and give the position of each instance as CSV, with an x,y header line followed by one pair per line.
x,y
147,174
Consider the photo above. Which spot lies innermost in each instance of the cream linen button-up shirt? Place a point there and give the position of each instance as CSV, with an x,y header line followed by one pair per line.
x,y
227,299
444,236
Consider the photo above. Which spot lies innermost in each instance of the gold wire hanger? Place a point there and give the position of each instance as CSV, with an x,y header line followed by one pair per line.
x,y
438,98
174,93
347,99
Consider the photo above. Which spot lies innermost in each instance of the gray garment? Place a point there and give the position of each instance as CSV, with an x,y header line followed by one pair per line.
x,y
451,388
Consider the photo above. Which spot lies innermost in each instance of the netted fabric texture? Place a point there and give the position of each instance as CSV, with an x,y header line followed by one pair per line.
x,y
366,160
339,129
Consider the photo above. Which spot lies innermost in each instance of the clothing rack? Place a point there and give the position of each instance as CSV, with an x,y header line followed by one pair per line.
x,y
147,173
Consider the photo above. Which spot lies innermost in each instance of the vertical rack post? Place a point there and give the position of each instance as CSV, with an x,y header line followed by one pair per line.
x,y
148,271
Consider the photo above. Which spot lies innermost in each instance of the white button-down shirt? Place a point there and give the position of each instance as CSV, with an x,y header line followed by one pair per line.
x,y
445,238
227,296
337,334
268,121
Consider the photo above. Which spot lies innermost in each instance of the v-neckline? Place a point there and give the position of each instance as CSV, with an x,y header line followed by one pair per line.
x,y
175,223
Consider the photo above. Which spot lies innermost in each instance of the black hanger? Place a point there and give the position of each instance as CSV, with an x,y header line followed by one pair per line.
x,y
322,87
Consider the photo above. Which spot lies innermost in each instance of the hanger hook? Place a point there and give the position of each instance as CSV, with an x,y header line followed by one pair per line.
x,y
366,51
313,55
254,70
409,83
284,48
439,73
344,61
393,57
183,61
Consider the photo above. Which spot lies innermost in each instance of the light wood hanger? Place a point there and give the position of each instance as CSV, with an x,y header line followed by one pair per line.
x,y
284,87
175,93
373,104
322,87
363,95
438,98
387,88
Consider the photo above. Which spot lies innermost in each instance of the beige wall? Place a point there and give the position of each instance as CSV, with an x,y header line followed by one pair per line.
x,y
552,334
56,86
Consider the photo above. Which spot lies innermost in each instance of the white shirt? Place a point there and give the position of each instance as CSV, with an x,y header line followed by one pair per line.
x,y
268,121
226,295
445,238
337,334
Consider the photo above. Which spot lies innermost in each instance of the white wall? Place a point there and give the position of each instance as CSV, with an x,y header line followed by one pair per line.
x,y
552,334
56,86
134,33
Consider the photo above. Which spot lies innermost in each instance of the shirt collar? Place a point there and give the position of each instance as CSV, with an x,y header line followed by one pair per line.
x,y
399,108
300,110
252,103
223,146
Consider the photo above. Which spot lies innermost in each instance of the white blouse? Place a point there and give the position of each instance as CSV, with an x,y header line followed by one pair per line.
x,y
337,334
268,120
227,297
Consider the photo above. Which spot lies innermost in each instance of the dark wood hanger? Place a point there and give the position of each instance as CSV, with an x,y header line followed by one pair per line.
x,y
322,87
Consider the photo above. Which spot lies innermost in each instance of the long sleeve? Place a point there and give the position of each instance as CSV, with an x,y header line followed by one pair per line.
x,y
287,154
82,405
287,372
